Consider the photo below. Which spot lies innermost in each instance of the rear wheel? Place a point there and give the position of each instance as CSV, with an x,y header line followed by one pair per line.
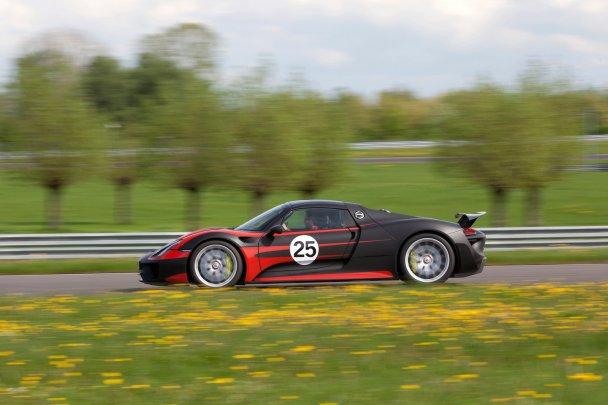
x,y
426,259
216,264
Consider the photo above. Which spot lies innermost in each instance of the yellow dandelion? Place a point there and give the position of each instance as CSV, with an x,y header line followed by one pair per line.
x,y
288,397
305,375
585,377
243,356
239,367
466,376
221,381
72,374
137,386
5,354
275,359
74,344
410,387
113,381
303,349
171,387
112,374
414,367
546,356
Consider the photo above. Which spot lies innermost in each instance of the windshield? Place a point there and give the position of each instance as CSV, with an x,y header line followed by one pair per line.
x,y
261,221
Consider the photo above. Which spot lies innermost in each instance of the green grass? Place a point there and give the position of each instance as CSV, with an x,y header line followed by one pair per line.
x,y
417,189
346,345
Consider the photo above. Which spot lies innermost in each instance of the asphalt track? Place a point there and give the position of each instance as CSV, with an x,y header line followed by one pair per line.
x,y
56,284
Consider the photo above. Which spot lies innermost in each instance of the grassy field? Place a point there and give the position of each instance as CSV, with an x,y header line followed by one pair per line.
x,y
418,189
334,345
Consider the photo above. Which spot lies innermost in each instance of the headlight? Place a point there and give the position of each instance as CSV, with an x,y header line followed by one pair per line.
x,y
165,248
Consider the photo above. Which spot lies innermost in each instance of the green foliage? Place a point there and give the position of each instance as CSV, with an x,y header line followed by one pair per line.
x,y
398,115
189,46
53,121
512,139
107,86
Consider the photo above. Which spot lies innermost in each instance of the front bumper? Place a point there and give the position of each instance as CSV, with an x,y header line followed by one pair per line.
x,y
158,270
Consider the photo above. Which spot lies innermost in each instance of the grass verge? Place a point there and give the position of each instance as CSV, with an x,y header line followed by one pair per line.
x,y
341,345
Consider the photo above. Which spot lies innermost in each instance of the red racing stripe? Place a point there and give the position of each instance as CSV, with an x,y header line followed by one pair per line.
x,y
367,275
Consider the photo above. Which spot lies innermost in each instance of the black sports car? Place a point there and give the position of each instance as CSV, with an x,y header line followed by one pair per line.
x,y
317,240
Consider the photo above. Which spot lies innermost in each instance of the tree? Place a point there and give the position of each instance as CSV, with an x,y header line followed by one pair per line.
x,y
189,46
513,139
483,120
55,124
267,159
321,135
190,120
550,122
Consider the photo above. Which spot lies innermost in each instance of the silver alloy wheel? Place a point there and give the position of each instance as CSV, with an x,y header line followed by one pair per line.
x,y
215,266
427,260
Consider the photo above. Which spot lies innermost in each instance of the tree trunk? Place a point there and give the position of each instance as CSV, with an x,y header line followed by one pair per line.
x,y
308,194
53,206
193,209
533,215
122,207
499,206
258,203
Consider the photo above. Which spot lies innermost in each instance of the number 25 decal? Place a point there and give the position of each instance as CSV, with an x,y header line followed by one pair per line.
x,y
304,249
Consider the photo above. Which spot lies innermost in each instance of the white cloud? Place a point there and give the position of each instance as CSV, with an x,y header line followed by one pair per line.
x,y
342,41
329,57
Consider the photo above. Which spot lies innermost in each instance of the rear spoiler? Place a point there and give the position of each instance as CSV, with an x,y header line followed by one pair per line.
x,y
467,220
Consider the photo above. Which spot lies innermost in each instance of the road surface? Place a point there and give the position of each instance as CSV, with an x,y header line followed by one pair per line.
x,y
126,282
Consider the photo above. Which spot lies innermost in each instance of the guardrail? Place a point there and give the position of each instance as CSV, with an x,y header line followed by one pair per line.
x,y
95,245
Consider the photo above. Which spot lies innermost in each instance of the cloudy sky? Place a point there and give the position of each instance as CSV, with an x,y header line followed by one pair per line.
x,y
428,46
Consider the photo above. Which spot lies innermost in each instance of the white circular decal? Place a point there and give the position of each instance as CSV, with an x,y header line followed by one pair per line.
x,y
304,249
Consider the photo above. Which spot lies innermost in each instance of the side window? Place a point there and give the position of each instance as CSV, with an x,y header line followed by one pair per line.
x,y
295,221
318,218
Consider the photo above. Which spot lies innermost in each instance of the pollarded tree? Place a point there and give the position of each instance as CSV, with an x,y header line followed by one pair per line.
x,y
321,135
550,122
189,121
189,46
267,158
484,120
107,86
54,124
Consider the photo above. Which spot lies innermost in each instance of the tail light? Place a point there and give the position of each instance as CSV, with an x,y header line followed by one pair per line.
x,y
469,231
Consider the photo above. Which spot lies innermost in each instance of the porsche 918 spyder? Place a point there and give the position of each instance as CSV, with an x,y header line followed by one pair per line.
x,y
318,241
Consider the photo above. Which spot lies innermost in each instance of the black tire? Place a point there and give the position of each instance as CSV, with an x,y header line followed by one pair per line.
x,y
426,258
215,264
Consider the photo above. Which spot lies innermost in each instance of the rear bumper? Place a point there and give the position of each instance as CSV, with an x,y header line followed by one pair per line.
x,y
162,271
472,260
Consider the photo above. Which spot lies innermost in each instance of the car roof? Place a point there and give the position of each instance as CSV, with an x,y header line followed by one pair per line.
x,y
317,203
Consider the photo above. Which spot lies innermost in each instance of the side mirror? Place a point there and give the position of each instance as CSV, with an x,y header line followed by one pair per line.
x,y
277,229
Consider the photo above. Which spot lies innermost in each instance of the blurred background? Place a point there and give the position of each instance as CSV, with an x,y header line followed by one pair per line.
x,y
131,117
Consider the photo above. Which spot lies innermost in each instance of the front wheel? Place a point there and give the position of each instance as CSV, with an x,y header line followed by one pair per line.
x,y
427,258
216,264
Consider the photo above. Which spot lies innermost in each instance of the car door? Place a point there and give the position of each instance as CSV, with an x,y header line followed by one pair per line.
x,y
315,241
